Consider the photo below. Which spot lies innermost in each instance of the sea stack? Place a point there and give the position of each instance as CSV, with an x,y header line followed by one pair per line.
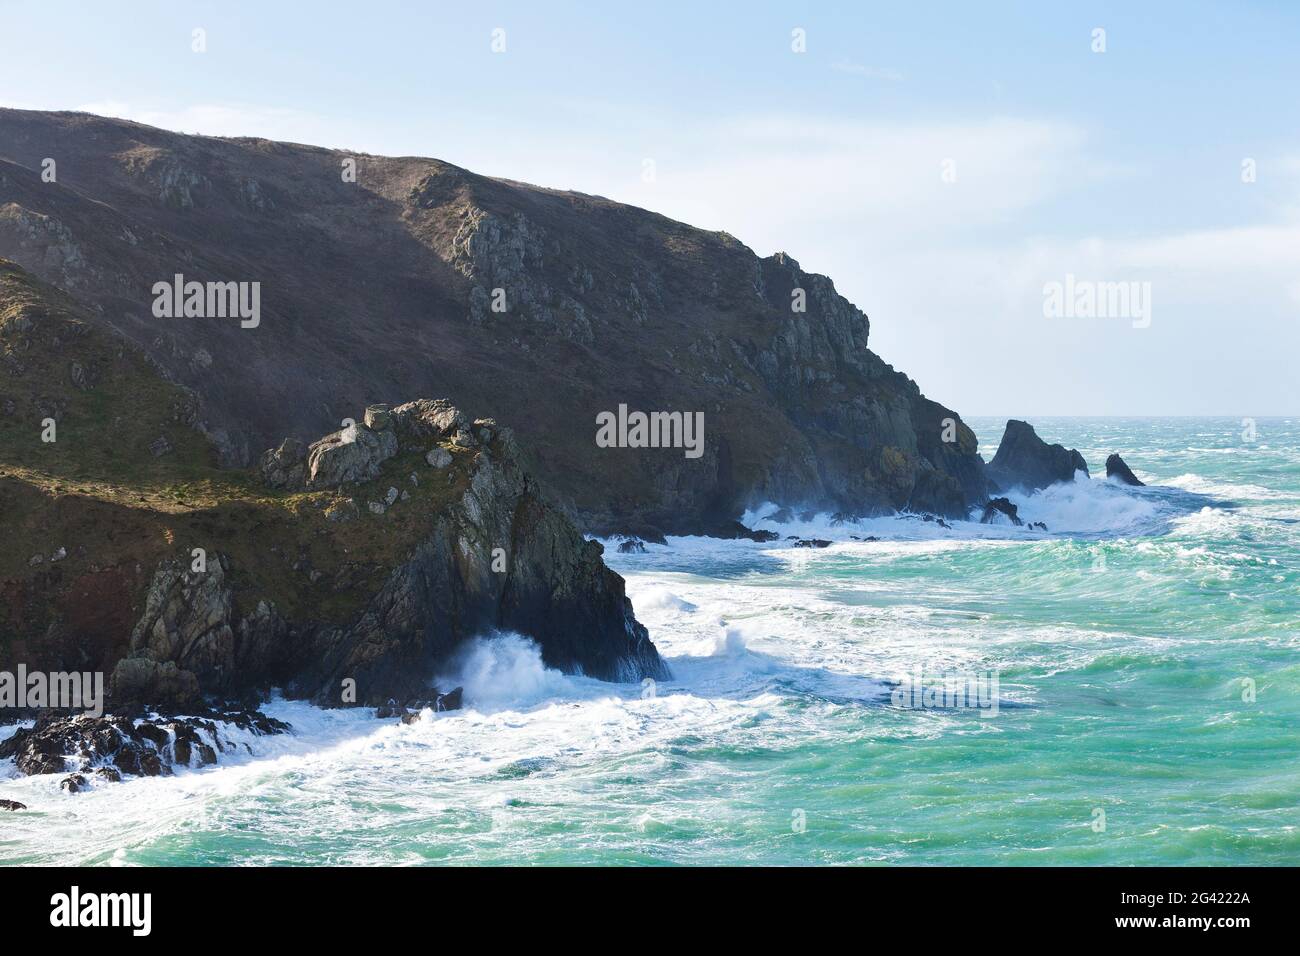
x,y
1117,469
1026,461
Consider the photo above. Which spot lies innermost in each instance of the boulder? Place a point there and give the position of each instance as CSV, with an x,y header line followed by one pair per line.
x,y
1026,461
1117,469
428,418
998,508
377,417
349,455
452,700
631,546
12,805
286,466
438,458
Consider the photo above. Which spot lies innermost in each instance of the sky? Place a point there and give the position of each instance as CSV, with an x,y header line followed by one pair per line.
x,y
946,164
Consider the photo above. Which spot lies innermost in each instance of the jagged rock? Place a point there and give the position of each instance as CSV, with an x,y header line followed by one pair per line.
x,y
734,529
812,543
997,508
12,805
285,466
410,712
631,546
1117,469
426,418
1026,461
377,507
349,455
113,745
187,620
452,700
410,616
1037,526
377,417
140,680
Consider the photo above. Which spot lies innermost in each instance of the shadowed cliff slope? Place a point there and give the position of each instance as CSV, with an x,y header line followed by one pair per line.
x,y
384,289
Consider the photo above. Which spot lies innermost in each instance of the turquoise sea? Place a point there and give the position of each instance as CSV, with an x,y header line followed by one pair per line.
x,y
1146,649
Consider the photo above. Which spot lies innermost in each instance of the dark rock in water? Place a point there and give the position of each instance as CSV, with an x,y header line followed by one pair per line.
x,y
114,745
1116,468
12,805
812,543
1000,506
927,517
410,713
451,700
781,516
1037,526
631,546
734,529
1024,460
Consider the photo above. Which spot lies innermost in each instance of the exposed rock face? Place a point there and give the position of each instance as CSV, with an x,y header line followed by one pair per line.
x,y
997,509
349,455
1117,469
285,466
1026,461
498,558
113,745
546,307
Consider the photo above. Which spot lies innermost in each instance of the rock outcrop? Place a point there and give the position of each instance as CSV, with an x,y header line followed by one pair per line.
x,y
492,556
1116,468
998,510
110,746
1024,460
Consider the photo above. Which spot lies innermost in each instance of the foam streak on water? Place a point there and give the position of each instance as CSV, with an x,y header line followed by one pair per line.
x,y
1124,639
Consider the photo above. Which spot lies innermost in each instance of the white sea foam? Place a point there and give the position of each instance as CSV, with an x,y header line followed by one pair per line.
x,y
504,670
